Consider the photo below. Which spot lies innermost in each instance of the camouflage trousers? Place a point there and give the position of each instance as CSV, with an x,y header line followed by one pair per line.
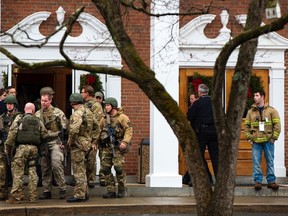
x,y
90,165
107,161
25,155
79,172
3,185
52,162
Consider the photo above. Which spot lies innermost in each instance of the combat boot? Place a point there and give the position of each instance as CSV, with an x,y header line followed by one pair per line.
x,y
32,200
121,194
62,194
46,195
22,196
103,183
109,195
12,200
74,199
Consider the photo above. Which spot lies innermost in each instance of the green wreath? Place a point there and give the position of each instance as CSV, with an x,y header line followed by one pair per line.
x,y
92,80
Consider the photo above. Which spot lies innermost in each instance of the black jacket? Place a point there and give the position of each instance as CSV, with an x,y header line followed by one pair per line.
x,y
200,114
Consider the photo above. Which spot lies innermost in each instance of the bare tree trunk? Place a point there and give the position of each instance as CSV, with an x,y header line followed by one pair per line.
x,y
228,136
145,78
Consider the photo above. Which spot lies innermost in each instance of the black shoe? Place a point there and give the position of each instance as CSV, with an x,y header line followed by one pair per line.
x,y
62,194
190,184
121,194
186,178
109,195
103,184
74,199
46,195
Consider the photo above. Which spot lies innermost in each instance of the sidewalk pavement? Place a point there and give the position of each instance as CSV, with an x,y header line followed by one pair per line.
x,y
143,200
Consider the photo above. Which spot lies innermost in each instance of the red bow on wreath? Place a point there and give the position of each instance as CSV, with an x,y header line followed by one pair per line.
x,y
195,83
90,79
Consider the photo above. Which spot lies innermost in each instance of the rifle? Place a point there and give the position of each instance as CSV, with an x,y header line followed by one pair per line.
x,y
64,142
111,134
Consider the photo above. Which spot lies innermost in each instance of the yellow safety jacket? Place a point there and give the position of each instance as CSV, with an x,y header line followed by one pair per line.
x,y
271,120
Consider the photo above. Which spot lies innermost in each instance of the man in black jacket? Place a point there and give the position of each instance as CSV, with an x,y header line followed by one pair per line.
x,y
201,119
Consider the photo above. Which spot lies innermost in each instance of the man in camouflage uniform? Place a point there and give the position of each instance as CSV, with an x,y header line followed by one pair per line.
x,y
99,97
54,120
6,120
87,93
83,131
26,131
44,90
116,126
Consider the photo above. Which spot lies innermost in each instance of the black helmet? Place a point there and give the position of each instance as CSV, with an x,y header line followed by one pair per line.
x,y
46,90
10,99
76,98
112,101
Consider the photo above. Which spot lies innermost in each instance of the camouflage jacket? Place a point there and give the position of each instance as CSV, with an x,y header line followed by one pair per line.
x,y
53,118
272,126
95,107
83,129
122,125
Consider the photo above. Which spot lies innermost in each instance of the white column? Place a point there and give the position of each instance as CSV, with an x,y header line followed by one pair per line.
x,y
165,62
276,100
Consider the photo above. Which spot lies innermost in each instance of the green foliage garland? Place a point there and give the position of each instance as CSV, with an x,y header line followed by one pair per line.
x,y
4,79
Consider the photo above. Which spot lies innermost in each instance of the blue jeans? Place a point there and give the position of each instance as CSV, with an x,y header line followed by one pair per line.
x,y
257,157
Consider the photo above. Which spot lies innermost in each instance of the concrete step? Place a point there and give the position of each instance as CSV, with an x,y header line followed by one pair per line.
x,y
142,200
140,206
244,187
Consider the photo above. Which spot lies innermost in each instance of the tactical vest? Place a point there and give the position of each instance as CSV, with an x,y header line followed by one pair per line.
x,y
28,131
51,122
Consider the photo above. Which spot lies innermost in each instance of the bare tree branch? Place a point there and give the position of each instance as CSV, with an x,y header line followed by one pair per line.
x,y
69,24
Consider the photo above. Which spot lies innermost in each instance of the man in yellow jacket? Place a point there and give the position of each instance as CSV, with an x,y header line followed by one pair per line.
x,y
262,129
